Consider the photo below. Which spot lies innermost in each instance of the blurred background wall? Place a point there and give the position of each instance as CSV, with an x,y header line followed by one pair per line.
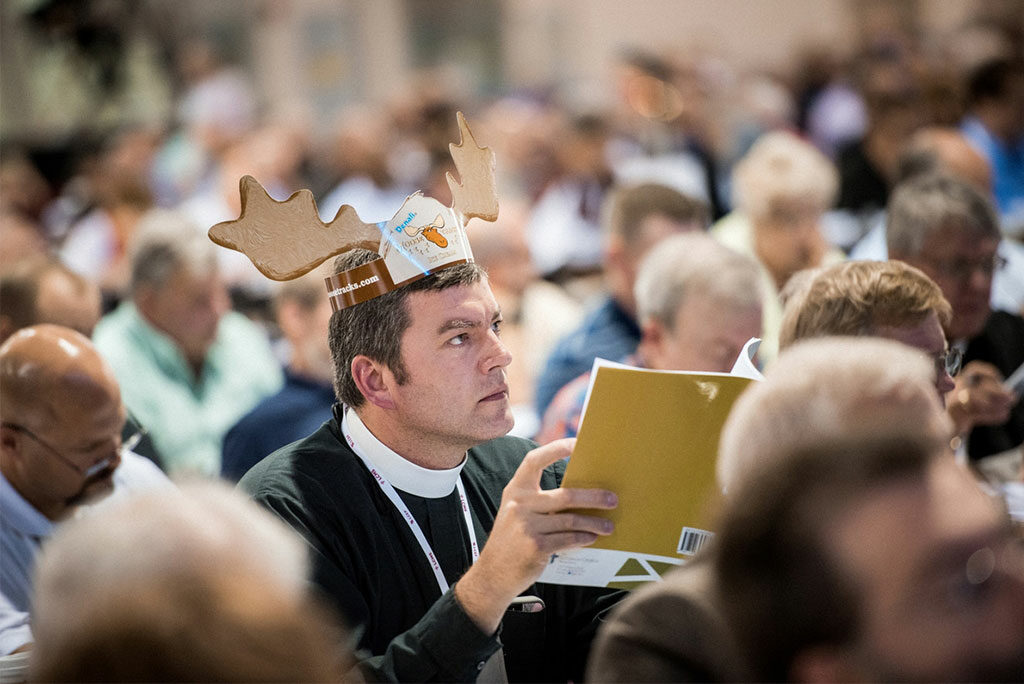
x,y
69,65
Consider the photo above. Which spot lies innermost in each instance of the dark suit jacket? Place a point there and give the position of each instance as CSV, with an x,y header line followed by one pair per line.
x,y
1001,343
671,631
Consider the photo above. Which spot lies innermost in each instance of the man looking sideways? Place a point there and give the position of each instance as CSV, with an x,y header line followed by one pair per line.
x,y
427,522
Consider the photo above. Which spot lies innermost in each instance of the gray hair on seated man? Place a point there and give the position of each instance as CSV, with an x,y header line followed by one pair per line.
x,y
196,584
689,264
698,302
924,206
166,241
830,388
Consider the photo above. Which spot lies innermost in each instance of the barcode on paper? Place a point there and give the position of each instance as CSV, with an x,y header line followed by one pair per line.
x,y
692,539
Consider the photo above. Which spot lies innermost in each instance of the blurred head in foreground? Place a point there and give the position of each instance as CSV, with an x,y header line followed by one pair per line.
x,y
852,546
830,388
876,558
192,585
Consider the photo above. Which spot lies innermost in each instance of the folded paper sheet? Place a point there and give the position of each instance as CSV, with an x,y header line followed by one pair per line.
x,y
652,438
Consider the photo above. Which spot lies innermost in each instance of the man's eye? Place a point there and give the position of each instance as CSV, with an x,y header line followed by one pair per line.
x,y
496,327
459,340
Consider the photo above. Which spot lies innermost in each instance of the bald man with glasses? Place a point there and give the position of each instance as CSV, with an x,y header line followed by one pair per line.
x,y
61,421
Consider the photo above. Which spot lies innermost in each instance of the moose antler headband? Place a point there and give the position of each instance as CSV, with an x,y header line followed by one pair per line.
x,y
287,239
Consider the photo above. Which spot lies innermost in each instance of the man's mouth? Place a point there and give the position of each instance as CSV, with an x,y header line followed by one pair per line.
x,y
497,396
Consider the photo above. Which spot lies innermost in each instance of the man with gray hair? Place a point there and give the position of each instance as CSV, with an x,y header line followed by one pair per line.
x,y
698,303
833,387
948,229
189,368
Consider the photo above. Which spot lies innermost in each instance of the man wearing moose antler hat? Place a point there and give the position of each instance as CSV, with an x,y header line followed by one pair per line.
x,y
429,526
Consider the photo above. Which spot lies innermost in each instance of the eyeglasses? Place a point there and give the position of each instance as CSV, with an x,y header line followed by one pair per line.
x,y
949,361
95,468
962,269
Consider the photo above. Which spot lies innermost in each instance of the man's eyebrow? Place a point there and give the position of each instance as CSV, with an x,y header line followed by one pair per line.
x,y
465,323
457,324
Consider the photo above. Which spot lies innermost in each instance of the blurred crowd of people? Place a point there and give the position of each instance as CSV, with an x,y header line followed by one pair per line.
x,y
879,196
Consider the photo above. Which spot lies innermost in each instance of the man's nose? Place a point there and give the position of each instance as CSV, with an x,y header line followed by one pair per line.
x,y
499,356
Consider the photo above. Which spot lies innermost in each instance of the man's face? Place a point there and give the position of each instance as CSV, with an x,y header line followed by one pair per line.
x,y
61,455
707,336
940,574
961,262
929,338
188,308
788,238
455,395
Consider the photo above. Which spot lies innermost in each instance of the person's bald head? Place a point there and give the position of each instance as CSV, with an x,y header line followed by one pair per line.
x,y
61,413
942,148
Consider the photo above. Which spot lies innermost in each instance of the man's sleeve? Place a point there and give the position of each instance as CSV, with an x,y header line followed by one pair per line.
x,y
15,631
445,645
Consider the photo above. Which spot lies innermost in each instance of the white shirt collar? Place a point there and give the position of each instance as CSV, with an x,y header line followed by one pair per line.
x,y
401,473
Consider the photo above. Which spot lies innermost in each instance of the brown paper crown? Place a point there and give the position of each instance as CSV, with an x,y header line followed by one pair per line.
x,y
287,239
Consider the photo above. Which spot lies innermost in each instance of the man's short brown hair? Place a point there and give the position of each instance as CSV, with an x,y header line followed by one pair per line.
x,y
628,205
856,297
375,327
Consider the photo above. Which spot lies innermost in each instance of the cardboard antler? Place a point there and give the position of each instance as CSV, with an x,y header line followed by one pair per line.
x,y
476,195
287,239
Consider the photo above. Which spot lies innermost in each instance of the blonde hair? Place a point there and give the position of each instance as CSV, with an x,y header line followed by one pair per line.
x,y
780,165
856,297
834,388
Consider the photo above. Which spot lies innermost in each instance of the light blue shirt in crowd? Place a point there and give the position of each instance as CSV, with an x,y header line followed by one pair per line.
x,y
187,417
23,530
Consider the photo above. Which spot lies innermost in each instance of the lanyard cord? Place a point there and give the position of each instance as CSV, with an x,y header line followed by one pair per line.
x,y
396,501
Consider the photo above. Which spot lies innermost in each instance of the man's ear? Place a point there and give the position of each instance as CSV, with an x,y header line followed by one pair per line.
x,y
142,297
10,448
374,381
652,338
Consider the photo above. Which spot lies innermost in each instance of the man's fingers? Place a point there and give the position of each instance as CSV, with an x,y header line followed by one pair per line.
x,y
528,473
553,543
564,498
572,522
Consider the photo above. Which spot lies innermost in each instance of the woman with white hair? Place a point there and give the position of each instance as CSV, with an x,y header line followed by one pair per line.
x,y
781,191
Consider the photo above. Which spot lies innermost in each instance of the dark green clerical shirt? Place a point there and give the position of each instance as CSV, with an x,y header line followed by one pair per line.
x,y
368,563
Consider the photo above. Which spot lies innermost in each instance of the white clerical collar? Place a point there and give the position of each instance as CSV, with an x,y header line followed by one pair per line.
x,y
401,473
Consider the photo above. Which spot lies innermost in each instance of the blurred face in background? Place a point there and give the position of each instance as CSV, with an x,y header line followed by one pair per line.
x,y
962,263
787,238
707,335
187,308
